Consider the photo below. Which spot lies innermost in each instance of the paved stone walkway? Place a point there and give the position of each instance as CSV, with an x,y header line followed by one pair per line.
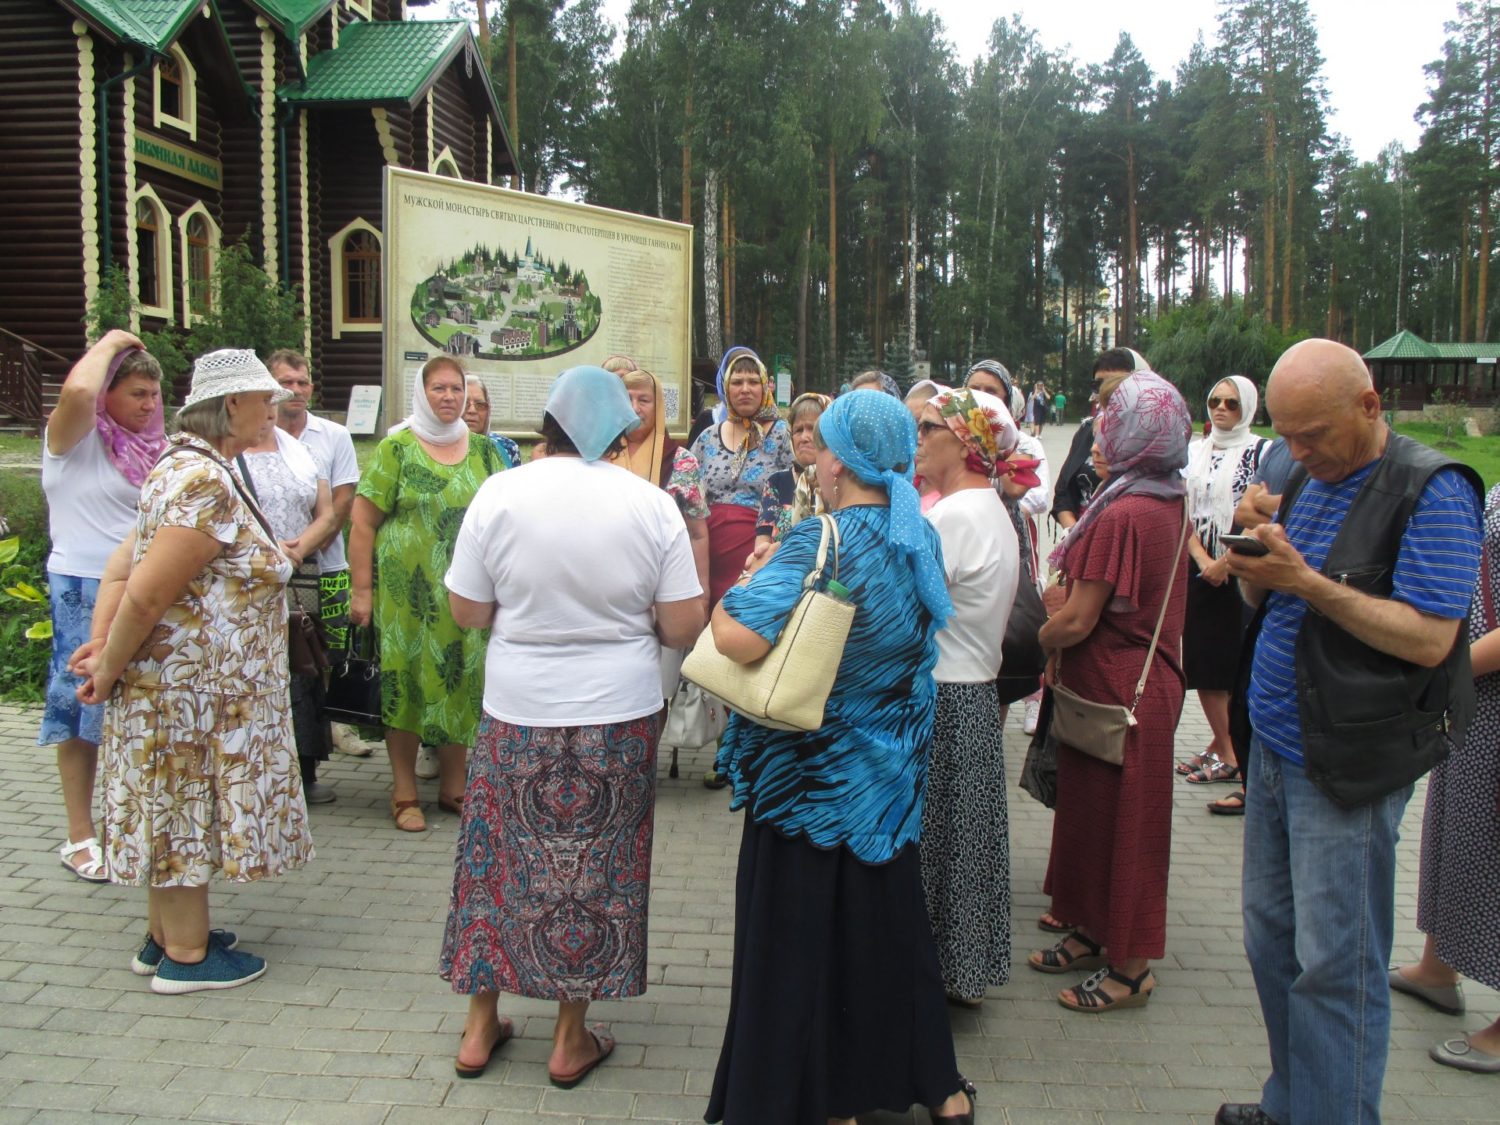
x,y
351,1024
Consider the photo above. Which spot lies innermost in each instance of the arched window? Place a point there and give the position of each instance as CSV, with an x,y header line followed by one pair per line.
x,y
361,262
444,165
175,93
354,278
200,249
153,255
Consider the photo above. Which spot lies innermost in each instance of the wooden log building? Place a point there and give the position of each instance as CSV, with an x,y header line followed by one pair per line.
x,y
149,133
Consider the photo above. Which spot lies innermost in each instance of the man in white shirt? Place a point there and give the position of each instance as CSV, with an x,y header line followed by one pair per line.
x,y
333,450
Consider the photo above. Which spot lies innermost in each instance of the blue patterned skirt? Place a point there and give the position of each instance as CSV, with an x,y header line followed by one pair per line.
x,y
552,876
72,614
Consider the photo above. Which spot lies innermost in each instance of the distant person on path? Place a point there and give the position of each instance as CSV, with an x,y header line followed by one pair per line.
x,y
836,1002
333,451
578,572
1458,898
1037,405
1347,706
189,648
1059,404
1112,830
99,444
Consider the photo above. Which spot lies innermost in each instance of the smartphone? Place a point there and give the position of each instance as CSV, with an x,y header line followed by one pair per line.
x,y
1244,544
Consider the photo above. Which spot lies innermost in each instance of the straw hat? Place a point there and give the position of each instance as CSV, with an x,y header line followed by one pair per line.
x,y
231,371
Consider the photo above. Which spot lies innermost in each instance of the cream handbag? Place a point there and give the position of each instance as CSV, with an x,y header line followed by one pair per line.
x,y
787,688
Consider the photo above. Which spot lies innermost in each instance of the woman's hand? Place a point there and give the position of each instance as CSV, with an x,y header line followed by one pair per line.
x,y
88,651
359,607
759,557
1053,598
1049,674
1215,573
292,549
98,682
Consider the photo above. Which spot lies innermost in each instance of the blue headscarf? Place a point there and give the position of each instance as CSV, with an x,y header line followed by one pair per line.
x,y
592,407
876,439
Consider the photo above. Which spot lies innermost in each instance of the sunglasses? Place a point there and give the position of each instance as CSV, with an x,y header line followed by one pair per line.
x,y
1215,402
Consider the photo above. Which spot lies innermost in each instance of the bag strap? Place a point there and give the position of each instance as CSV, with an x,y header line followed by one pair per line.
x,y
1486,598
830,535
234,480
1140,685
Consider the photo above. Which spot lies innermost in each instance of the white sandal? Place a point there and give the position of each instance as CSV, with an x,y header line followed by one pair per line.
x,y
92,869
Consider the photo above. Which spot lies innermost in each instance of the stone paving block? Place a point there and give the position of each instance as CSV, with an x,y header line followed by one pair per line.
x,y
382,1064
322,1113
53,1095
399,1091
252,1111
308,1087
217,1080
486,1094
151,1103
44,1068
586,1101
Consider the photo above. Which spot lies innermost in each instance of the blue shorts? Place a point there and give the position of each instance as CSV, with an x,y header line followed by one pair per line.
x,y
72,615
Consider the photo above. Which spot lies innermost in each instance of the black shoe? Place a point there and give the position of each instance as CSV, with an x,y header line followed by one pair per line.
x,y
1242,1113
958,1118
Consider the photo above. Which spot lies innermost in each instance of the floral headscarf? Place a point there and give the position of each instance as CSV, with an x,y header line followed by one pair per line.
x,y
985,426
1143,432
807,500
131,452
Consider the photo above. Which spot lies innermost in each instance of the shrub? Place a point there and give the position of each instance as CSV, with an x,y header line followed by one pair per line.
x,y
26,625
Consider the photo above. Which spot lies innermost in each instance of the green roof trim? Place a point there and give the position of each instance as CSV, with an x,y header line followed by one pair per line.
x,y
386,63
150,23
1408,345
292,17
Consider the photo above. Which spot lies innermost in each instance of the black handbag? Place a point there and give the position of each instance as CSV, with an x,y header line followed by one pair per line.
x,y
354,683
1022,660
1039,771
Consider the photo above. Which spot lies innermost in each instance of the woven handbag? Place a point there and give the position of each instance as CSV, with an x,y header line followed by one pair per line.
x,y
787,689
1100,730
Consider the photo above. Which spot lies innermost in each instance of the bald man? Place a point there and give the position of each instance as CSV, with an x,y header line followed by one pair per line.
x,y
1347,706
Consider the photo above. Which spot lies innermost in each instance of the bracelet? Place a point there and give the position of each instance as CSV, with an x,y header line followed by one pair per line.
x,y
744,577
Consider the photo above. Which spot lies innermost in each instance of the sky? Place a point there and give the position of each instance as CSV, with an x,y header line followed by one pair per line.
x,y
1373,50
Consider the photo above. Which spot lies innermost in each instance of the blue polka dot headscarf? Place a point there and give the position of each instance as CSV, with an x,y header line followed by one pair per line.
x,y
876,439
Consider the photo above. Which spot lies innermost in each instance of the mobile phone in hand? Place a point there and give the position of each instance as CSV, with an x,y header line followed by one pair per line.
x,y
1244,544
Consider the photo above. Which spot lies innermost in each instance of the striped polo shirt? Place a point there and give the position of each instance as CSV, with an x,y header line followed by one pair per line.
x,y
1435,572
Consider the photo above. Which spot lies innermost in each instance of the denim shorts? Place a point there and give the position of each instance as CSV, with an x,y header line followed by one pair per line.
x,y
72,614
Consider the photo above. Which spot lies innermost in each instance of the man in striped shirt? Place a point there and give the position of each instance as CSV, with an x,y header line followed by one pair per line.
x,y
1319,876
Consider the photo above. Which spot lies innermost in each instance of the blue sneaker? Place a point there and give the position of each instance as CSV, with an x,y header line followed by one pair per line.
x,y
220,968
144,963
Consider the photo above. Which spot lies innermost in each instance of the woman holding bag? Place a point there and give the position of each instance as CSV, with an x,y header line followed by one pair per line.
x,y
1123,564
824,1022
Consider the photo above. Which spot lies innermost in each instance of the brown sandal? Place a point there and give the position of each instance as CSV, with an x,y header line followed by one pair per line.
x,y
1061,959
408,815
455,805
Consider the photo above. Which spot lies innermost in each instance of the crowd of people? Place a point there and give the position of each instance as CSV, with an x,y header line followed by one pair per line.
x,y
530,621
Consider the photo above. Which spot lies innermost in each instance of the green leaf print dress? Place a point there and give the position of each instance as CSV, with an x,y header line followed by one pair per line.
x,y
431,671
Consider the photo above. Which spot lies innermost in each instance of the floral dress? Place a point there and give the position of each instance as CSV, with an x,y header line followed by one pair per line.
x,y
199,771
431,671
729,480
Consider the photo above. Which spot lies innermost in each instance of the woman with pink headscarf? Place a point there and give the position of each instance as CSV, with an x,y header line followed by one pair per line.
x,y
102,439
1112,832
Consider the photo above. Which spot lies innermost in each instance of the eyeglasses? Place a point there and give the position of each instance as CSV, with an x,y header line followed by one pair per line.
x,y
1215,402
925,428
474,405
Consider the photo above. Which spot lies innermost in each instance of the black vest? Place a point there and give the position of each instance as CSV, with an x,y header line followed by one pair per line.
x,y
1371,723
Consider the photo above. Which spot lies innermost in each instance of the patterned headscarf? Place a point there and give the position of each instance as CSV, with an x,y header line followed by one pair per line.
x,y
766,415
880,382
985,426
807,500
1143,432
876,439
132,452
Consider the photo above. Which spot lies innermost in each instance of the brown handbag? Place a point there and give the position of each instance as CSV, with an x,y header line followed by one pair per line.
x,y
1101,730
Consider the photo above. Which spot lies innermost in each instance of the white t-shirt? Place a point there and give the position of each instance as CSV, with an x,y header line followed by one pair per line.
x,y
91,507
983,564
1038,500
333,449
575,554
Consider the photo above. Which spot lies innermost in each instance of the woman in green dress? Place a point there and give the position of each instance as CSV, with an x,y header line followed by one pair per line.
x,y
407,512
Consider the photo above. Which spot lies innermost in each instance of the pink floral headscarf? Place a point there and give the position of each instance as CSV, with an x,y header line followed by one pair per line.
x,y
1143,433
985,426
130,452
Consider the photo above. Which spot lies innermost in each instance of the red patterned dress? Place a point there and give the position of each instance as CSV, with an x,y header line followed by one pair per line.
x,y
1112,833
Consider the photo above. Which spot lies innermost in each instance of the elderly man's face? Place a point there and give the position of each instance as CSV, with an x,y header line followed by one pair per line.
x,y
1331,434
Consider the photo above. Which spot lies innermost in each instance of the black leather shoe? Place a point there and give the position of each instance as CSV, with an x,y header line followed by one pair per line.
x,y
1242,1113
958,1118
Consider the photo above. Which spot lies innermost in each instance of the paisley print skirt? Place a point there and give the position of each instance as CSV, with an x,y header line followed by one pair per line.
x,y
552,876
198,782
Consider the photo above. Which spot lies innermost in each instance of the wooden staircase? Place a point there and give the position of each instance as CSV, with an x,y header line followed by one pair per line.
x,y
27,391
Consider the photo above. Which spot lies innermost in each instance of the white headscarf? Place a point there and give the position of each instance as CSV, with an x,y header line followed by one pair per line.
x,y
1211,491
424,422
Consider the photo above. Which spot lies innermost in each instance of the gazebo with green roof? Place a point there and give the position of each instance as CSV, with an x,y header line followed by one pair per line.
x,y
1409,372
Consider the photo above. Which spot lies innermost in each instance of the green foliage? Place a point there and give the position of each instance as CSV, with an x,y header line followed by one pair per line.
x,y
25,624
1197,345
1451,416
21,500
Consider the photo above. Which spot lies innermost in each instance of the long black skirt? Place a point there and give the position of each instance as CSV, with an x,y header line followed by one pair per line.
x,y
837,1003
1212,628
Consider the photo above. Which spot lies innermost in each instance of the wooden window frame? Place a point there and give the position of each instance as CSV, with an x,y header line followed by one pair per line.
x,y
338,321
360,8
214,234
446,157
164,272
188,75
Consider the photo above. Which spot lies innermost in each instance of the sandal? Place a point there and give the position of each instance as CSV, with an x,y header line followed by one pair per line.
x,y
606,1044
455,805
1197,761
1048,923
1214,769
507,1030
1089,997
91,868
1060,959
408,815
1224,806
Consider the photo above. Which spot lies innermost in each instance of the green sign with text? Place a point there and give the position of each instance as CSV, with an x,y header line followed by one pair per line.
x,y
158,152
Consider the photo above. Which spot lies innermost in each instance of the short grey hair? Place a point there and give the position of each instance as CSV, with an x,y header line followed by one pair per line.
x,y
208,419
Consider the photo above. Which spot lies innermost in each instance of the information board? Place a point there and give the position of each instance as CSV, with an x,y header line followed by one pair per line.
x,y
521,287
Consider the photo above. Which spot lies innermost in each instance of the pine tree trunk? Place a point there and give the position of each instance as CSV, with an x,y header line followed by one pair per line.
x,y
1482,284
687,157
911,266
727,297
1132,245
712,324
1268,210
833,263
1286,258
512,101
805,277
1463,282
